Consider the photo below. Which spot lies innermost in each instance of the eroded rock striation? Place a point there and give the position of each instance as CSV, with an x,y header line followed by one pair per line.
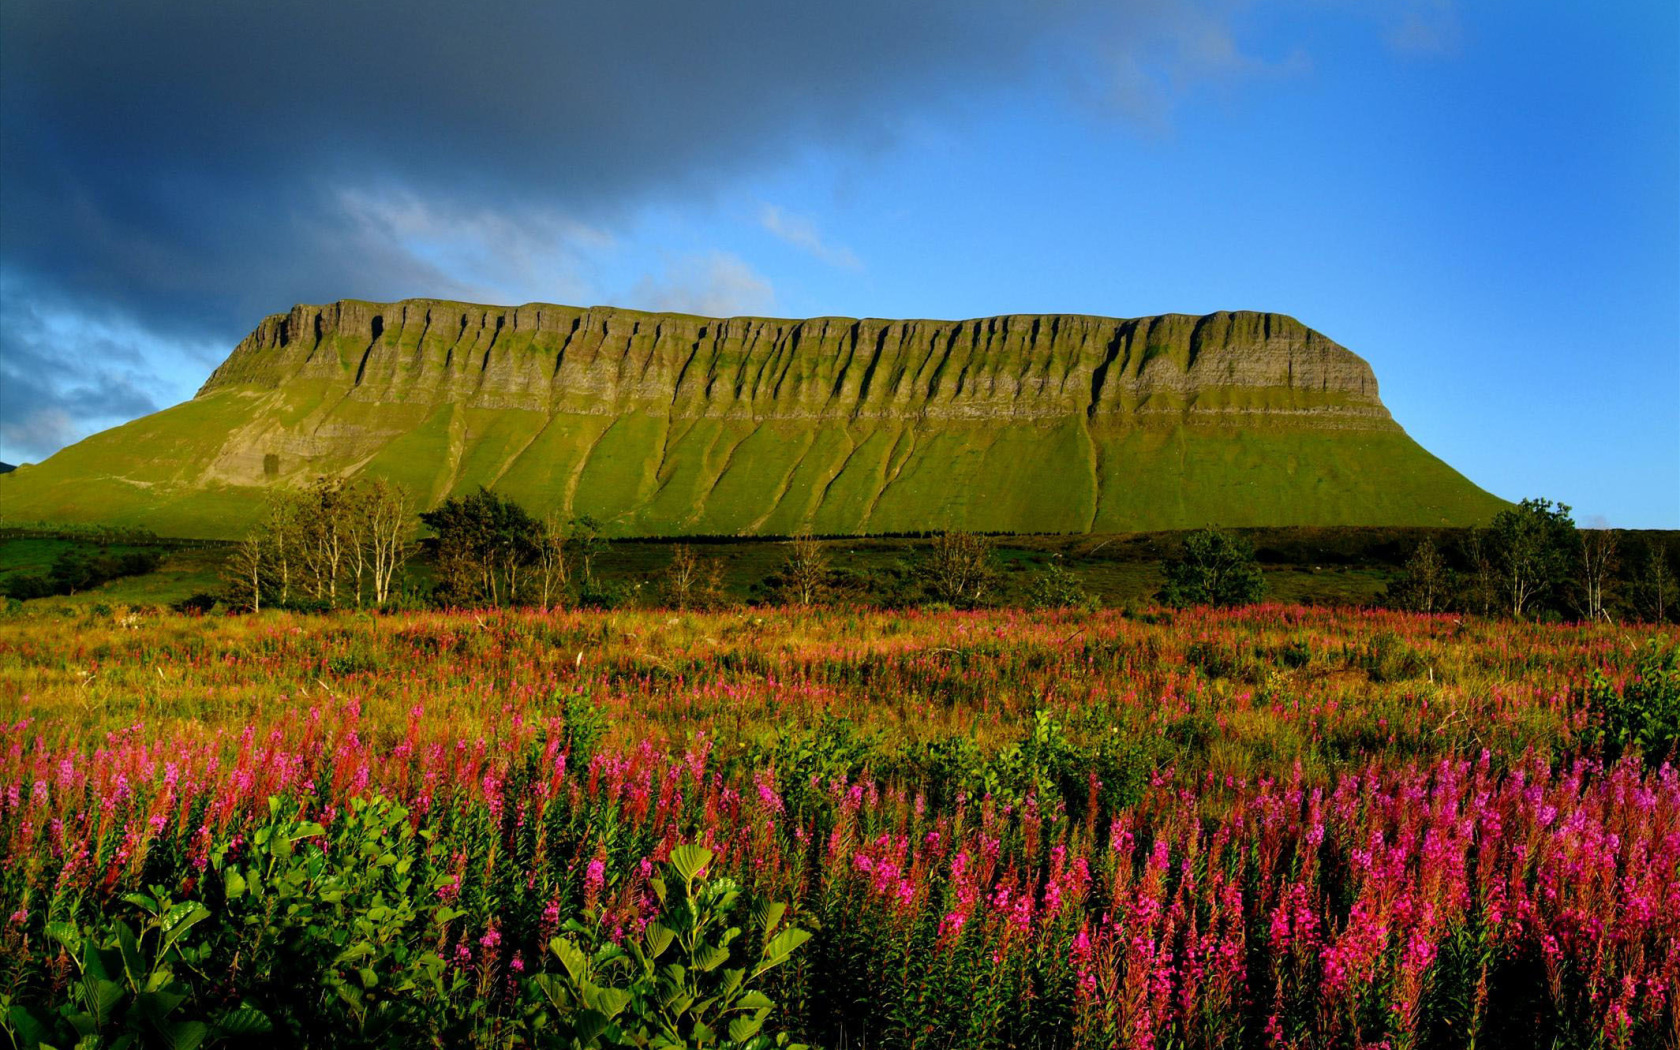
x,y
605,361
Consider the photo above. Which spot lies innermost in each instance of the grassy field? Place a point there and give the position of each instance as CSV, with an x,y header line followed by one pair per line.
x,y
1275,825
180,574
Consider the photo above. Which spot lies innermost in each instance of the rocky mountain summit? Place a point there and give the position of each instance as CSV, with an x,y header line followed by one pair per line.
x,y
605,361
674,424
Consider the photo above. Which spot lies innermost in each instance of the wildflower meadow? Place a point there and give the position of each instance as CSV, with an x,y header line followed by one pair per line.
x,y
1266,827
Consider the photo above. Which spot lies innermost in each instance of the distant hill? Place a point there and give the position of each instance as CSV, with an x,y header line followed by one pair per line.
x,y
667,424
6,468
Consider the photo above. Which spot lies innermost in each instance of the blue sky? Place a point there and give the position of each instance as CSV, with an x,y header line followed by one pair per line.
x,y
1482,200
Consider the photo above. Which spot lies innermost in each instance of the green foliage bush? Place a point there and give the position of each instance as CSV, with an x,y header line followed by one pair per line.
x,y
585,725
1056,588
1643,713
1215,568
1388,658
334,926
688,981
134,988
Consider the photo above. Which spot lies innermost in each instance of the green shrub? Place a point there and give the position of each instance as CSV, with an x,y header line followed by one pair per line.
x,y
1645,712
1056,588
687,982
134,988
1389,658
585,725
1214,568
344,935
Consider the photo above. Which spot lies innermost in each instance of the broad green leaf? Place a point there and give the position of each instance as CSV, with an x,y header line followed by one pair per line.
x,y
101,997
33,1030
768,915
780,947
754,1000
743,1028
85,1025
66,934
689,861
156,1005
182,918
243,1020
731,981
233,884
554,990
589,1024
134,963
658,939
609,1001
572,958
99,965
186,1035
710,957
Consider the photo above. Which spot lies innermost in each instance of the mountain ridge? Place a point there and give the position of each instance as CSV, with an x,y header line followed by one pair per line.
x,y
1126,361
663,423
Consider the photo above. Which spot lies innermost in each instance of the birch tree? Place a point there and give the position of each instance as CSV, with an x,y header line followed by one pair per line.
x,y
1596,567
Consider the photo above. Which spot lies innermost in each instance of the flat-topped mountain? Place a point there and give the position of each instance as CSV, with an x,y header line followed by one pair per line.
x,y
673,424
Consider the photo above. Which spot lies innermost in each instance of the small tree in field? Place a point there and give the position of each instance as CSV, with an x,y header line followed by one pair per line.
x,y
1656,585
587,543
553,568
1215,568
486,545
692,581
1056,588
1479,587
248,570
1595,571
335,543
384,523
1424,585
958,568
1532,546
805,573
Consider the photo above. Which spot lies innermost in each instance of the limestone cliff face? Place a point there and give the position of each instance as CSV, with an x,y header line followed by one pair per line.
x,y
1219,368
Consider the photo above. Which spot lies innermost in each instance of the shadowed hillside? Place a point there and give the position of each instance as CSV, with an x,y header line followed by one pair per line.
x,y
664,424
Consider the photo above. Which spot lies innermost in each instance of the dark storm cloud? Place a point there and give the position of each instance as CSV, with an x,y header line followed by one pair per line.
x,y
189,166
189,162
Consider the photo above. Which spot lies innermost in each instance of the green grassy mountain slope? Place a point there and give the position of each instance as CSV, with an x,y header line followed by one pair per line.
x,y
665,424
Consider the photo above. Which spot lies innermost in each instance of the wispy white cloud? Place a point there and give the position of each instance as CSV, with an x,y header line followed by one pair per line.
x,y
1141,59
1422,27
505,255
65,374
801,232
38,434
713,284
